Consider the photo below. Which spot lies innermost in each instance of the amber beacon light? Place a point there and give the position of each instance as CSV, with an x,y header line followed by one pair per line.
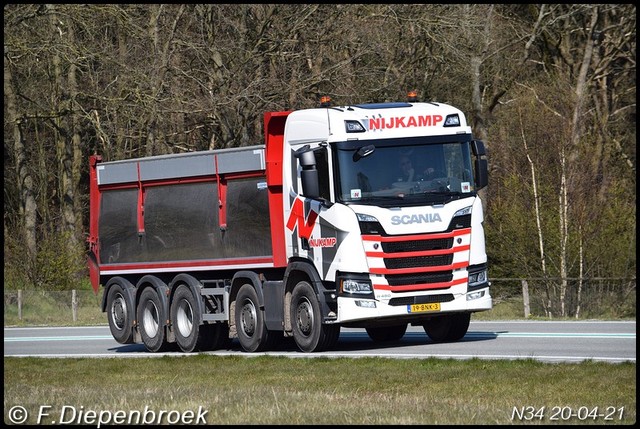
x,y
325,101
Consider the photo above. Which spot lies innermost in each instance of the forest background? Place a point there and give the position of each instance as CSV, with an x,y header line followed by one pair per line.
x,y
550,89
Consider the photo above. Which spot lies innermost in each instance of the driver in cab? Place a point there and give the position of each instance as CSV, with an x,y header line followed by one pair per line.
x,y
408,173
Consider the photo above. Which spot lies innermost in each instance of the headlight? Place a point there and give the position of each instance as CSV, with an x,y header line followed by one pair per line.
x,y
462,212
366,218
478,278
356,286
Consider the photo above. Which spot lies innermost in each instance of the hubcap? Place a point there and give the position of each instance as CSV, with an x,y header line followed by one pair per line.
x,y
150,321
119,312
304,316
184,318
248,318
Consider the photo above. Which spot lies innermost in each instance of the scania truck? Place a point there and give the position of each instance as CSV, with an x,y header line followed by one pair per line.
x,y
311,231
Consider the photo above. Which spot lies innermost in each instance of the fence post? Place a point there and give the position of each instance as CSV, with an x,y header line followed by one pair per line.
x,y
74,305
525,298
19,304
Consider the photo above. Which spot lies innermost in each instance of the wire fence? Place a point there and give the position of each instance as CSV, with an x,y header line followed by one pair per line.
x,y
42,307
579,298
592,298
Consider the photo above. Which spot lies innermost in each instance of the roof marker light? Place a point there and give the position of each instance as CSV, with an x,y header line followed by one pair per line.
x,y
452,121
354,126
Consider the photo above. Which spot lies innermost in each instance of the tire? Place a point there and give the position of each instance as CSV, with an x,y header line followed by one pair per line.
x,y
151,321
309,333
250,325
332,334
387,333
448,328
186,319
120,313
214,336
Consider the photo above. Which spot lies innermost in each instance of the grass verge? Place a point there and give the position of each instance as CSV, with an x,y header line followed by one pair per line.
x,y
280,390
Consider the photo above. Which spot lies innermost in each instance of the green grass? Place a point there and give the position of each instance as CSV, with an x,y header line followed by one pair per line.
x,y
280,390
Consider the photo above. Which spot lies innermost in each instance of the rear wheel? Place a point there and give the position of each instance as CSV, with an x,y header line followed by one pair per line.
x,y
151,319
250,325
215,336
447,328
120,314
387,333
309,333
185,320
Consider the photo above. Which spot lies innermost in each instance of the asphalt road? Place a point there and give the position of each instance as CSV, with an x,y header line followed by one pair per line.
x,y
548,341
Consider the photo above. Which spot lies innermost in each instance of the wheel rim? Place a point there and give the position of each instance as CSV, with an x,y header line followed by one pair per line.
x,y
304,316
150,320
248,318
184,318
119,312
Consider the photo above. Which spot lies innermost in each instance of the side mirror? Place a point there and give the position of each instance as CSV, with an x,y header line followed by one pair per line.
x,y
477,147
363,152
482,173
481,164
309,173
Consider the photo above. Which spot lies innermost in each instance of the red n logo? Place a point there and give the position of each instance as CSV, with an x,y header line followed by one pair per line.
x,y
296,217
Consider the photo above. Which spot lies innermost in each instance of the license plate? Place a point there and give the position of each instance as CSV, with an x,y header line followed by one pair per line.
x,y
421,308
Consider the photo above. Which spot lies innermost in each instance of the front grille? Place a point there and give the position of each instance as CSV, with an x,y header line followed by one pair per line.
x,y
412,279
418,261
422,261
417,245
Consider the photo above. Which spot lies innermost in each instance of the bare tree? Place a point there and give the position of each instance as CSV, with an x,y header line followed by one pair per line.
x,y
24,180
130,80
564,48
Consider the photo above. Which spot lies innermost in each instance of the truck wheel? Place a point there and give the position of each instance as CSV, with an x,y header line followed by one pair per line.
x,y
151,319
309,333
120,314
387,333
252,331
332,334
447,328
185,320
214,336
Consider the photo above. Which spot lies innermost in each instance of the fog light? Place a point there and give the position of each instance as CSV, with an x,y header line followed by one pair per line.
x,y
366,304
475,295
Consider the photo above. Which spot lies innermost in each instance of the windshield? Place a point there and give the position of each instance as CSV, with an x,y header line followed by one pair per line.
x,y
421,170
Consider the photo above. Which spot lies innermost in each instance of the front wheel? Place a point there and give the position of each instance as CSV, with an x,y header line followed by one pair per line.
x,y
250,325
387,333
447,328
309,333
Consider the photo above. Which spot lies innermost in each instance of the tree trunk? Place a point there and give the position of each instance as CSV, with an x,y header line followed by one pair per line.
x,y
563,224
25,185
64,146
536,202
